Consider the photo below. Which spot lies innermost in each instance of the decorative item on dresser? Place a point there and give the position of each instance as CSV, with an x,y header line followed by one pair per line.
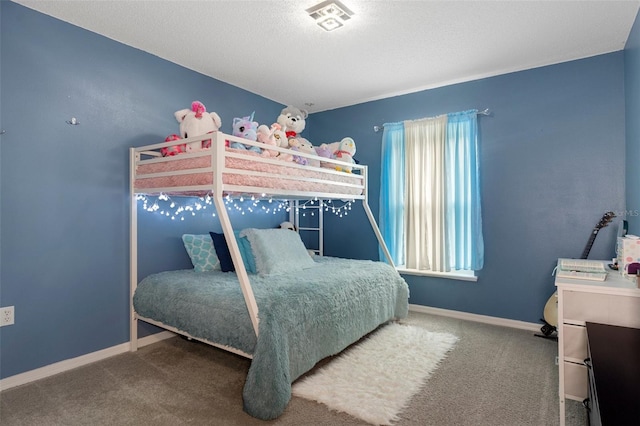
x,y
550,312
615,301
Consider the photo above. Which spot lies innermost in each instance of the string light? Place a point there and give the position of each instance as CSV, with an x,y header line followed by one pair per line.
x,y
339,208
184,206
175,209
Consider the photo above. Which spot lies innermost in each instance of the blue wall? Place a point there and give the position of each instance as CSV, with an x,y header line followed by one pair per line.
x,y
551,164
632,92
65,233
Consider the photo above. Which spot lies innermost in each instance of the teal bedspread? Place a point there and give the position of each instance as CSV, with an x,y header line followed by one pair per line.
x,y
304,317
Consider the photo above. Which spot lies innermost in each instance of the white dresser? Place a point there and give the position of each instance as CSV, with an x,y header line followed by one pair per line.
x,y
615,301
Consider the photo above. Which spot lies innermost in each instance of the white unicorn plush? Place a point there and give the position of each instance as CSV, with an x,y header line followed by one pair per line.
x,y
195,122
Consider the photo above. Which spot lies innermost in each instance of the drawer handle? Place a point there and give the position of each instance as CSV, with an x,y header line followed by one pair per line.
x,y
587,362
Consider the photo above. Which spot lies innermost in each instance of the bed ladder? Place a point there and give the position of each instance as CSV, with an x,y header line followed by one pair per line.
x,y
318,226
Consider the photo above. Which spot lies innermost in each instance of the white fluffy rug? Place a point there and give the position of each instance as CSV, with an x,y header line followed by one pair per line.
x,y
375,379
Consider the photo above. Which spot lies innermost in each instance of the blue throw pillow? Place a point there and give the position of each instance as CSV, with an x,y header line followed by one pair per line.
x,y
224,255
201,252
247,254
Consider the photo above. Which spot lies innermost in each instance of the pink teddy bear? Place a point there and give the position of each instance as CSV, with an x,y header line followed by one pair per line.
x,y
273,136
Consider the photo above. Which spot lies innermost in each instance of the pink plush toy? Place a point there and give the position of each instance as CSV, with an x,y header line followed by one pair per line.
x,y
273,136
195,122
170,151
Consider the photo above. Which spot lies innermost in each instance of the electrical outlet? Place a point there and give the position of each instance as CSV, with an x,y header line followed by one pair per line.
x,y
6,316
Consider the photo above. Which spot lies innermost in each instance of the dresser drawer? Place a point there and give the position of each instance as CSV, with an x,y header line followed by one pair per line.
x,y
580,307
576,379
574,342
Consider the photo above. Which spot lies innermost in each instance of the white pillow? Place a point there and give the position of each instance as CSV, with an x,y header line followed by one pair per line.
x,y
277,251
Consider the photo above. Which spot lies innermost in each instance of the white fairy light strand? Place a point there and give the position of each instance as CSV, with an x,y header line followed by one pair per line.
x,y
332,206
166,206
190,206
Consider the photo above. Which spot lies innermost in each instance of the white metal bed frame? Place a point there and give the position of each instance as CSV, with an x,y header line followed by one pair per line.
x,y
294,217
151,153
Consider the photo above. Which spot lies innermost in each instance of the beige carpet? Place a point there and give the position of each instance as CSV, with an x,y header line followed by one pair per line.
x,y
494,376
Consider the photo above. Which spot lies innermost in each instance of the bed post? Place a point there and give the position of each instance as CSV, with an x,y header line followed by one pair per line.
x,y
218,163
372,220
133,251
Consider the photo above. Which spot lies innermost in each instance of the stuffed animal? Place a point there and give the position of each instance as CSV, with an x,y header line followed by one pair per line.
x,y
273,136
292,120
287,225
326,151
303,145
245,128
170,151
346,151
283,142
280,136
195,122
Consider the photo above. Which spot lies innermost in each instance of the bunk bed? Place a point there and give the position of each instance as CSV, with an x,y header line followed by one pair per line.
x,y
285,317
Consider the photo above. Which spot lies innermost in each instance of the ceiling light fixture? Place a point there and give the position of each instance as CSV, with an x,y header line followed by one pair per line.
x,y
330,15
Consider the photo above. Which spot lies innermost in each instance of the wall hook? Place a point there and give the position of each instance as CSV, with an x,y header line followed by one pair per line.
x,y
73,121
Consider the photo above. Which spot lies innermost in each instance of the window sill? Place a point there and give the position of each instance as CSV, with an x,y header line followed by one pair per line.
x,y
457,275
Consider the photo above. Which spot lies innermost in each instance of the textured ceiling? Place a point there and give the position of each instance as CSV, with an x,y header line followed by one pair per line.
x,y
274,49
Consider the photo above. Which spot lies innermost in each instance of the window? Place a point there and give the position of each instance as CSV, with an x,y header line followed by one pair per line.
x,y
430,215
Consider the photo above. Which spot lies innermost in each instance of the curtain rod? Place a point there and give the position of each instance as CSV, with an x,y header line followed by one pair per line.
x,y
485,111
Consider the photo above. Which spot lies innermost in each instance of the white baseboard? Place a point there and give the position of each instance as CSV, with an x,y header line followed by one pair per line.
x,y
477,318
70,364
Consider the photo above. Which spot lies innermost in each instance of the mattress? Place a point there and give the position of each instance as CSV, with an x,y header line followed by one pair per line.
x,y
304,317
262,173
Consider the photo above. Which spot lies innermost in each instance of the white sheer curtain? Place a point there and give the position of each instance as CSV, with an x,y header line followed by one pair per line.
x,y
430,204
425,204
